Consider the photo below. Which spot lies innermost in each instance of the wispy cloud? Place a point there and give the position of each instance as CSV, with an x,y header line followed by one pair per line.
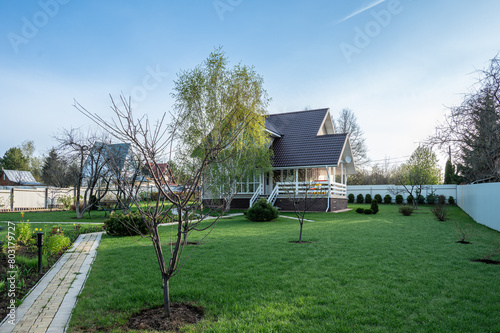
x,y
361,10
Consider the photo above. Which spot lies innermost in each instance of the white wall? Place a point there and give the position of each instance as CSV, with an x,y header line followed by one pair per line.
x,y
481,202
446,190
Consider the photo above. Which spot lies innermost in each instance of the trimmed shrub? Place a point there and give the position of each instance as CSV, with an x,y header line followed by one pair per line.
x,y
399,199
378,197
441,200
374,207
262,211
406,210
431,199
451,201
368,211
125,225
56,243
421,199
409,199
360,210
359,198
387,199
368,198
350,198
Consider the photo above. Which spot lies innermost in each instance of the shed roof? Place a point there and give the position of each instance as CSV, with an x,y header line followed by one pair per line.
x,y
21,177
299,144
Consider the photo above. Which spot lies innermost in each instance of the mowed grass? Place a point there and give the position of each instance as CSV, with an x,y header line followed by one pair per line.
x,y
360,273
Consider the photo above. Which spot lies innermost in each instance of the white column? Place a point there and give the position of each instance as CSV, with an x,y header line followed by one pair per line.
x,y
296,181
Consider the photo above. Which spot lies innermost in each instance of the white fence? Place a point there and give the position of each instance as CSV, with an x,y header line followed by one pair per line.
x,y
393,190
19,199
481,202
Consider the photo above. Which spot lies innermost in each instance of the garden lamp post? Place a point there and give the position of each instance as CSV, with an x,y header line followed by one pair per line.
x,y
39,244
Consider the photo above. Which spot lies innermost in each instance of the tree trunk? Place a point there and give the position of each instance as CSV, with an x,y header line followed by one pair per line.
x,y
166,296
300,234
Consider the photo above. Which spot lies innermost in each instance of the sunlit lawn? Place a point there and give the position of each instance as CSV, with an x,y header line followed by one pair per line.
x,y
382,273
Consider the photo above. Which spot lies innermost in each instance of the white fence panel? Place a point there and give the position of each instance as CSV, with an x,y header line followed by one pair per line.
x,y
392,190
4,200
481,201
26,199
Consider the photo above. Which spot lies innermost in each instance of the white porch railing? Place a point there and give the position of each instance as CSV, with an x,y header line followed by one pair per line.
x,y
273,195
258,192
316,188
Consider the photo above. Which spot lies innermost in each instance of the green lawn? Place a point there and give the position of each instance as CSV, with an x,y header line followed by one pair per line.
x,y
55,216
361,273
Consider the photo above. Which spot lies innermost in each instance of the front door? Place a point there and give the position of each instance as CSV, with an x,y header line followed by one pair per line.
x,y
268,183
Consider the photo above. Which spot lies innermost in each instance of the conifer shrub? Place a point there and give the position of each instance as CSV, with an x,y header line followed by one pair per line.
x,y
359,198
451,200
441,200
360,210
262,211
374,207
350,198
368,198
431,198
387,199
368,211
421,199
378,197
125,225
399,199
409,199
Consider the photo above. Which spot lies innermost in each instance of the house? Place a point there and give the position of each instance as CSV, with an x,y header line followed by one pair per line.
x,y
306,149
18,178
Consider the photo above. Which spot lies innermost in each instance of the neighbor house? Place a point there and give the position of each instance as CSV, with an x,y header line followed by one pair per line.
x,y
18,178
307,156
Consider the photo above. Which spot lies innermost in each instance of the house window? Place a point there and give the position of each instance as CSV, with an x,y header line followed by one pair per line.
x,y
301,175
249,184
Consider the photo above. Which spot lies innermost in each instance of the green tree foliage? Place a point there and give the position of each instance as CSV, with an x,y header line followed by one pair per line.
x,y
14,159
57,172
421,169
450,176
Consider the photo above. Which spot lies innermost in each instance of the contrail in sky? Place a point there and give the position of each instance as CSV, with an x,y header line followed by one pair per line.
x,y
361,10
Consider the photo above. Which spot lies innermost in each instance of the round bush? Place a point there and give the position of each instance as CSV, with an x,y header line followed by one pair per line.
x,y
409,199
360,210
387,199
399,199
359,198
451,201
441,200
421,199
368,211
262,211
368,198
125,225
378,197
374,207
350,198
431,199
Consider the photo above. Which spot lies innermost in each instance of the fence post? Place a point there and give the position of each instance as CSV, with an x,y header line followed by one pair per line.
x,y
46,197
12,199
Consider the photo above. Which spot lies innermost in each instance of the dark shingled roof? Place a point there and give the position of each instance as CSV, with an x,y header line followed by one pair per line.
x,y
299,144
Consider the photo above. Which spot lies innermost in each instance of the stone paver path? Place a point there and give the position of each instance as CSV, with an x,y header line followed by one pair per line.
x,y
48,307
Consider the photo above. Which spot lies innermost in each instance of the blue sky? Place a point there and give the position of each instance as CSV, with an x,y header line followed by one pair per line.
x,y
396,64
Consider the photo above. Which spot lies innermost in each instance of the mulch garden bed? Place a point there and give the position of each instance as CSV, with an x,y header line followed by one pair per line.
x,y
29,281
155,320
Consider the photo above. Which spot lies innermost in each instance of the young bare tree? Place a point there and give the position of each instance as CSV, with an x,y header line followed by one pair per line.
x,y
216,133
303,197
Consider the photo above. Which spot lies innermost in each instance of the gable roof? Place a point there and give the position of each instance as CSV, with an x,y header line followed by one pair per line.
x,y
299,144
21,177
